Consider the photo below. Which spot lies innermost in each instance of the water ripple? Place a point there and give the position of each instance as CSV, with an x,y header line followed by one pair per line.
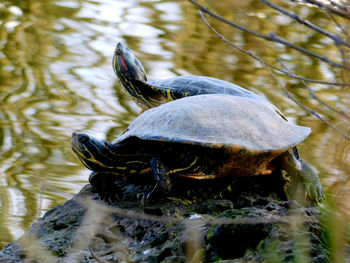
x,y
56,77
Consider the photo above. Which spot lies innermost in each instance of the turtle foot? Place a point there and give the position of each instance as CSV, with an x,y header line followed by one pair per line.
x,y
315,192
161,178
147,195
312,183
104,185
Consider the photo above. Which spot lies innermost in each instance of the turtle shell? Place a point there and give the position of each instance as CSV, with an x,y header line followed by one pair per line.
x,y
185,86
218,120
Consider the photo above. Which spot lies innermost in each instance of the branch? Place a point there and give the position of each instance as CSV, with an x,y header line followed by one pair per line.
x,y
340,9
335,38
290,74
312,112
341,28
313,95
271,37
267,66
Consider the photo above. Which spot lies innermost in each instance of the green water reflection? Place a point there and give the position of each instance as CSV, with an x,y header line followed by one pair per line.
x,y
56,77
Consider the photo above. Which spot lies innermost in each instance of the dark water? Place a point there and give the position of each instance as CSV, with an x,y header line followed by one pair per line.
x,y
56,77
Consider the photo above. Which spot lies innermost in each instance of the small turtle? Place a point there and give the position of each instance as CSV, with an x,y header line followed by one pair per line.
x,y
199,137
152,93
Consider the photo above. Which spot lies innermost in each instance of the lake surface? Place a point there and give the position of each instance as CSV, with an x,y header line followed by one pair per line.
x,y
56,77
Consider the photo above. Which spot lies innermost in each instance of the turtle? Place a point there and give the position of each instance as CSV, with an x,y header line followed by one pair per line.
x,y
198,137
152,93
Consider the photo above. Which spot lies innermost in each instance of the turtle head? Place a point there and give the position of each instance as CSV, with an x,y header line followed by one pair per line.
x,y
96,155
126,65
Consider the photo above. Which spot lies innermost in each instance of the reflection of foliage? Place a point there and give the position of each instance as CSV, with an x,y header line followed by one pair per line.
x,y
26,85
340,43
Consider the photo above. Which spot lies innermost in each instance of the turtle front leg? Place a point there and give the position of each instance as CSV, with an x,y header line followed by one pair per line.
x,y
104,185
161,178
311,182
304,173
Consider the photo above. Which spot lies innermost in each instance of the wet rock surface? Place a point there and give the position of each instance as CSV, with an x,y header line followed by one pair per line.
x,y
248,220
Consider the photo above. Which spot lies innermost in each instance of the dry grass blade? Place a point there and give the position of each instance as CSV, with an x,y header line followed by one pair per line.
x,y
94,256
36,251
89,227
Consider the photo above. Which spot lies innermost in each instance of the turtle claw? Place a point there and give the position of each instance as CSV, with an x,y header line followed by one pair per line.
x,y
144,200
314,192
161,178
312,184
146,196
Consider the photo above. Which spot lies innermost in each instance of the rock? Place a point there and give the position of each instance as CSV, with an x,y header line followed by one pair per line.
x,y
248,220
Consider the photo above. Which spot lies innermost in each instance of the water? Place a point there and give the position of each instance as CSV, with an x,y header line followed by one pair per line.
x,y
56,77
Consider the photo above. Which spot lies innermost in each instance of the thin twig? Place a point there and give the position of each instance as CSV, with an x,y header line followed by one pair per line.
x,y
312,112
270,65
332,9
267,66
341,50
233,45
345,33
340,6
335,38
313,95
270,37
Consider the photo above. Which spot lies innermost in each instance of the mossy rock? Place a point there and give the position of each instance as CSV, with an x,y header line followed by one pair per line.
x,y
230,227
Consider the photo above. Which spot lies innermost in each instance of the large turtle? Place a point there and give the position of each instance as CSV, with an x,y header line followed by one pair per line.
x,y
199,137
152,93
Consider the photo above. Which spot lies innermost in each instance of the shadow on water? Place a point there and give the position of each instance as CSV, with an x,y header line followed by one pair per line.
x,y
56,77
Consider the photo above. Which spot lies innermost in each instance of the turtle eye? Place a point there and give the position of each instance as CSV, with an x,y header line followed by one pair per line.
x,y
83,139
117,52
